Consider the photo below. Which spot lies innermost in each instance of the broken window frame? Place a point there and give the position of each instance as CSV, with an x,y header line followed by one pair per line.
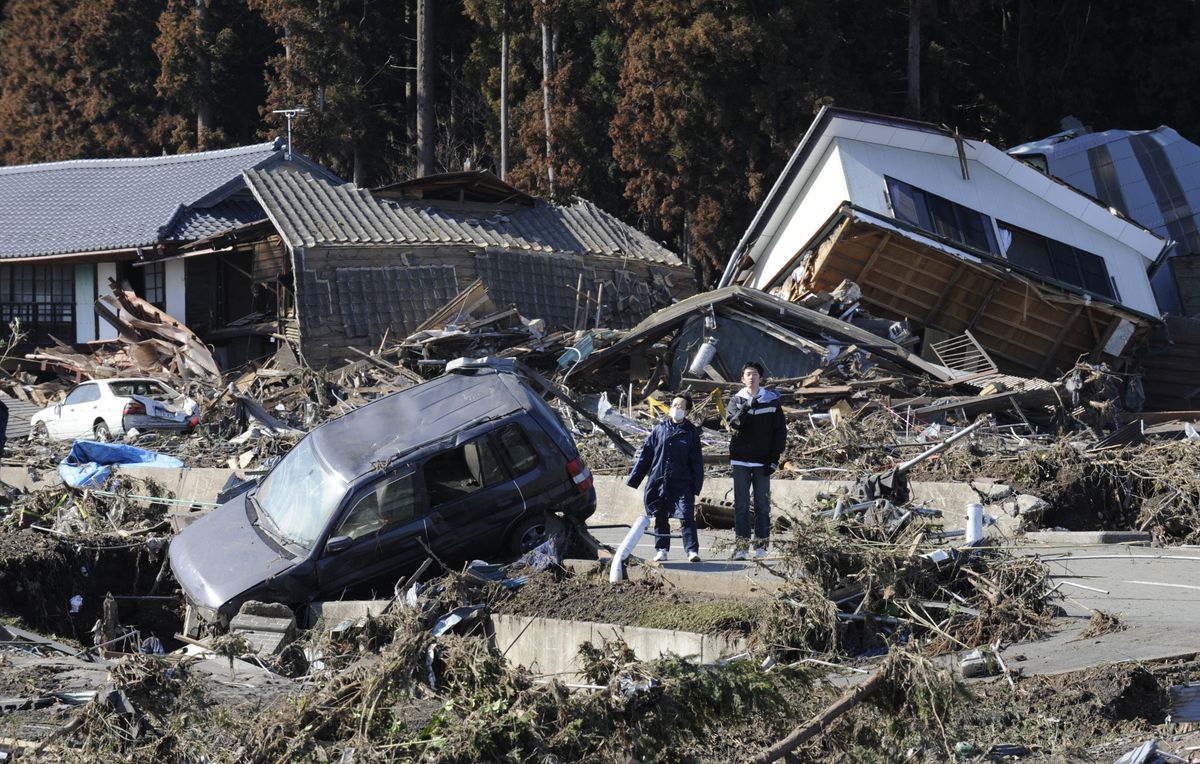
x,y
941,217
1057,260
464,488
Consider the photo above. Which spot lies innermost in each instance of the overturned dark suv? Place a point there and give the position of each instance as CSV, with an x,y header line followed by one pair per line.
x,y
471,464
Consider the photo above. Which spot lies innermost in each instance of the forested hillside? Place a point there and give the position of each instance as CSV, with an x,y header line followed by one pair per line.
x,y
674,114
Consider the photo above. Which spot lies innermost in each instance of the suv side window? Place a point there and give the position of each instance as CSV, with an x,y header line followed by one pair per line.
x,y
393,502
83,394
515,446
461,471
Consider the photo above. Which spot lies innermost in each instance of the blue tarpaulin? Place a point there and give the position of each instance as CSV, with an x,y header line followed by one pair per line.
x,y
89,463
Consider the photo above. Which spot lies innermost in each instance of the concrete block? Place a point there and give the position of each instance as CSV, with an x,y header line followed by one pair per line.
x,y
991,491
1025,504
329,614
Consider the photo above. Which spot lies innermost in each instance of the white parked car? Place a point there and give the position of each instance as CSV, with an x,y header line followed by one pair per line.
x,y
103,409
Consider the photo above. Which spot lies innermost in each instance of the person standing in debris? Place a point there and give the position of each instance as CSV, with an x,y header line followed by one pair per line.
x,y
672,459
755,415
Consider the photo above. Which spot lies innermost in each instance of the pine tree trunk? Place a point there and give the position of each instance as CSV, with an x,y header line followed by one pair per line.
x,y
549,40
410,79
204,108
425,163
913,101
504,91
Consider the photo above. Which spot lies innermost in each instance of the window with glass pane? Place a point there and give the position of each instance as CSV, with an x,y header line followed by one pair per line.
x,y
518,449
391,503
943,217
1056,260
155,275
42,298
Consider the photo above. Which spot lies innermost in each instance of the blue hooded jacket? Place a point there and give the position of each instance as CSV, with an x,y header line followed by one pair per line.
x,y
672,459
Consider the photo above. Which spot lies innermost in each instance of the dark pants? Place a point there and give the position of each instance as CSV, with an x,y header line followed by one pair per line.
x,y
684,508
743,477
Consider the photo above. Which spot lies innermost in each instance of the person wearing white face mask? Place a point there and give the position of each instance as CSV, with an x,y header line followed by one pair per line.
x,y
672,460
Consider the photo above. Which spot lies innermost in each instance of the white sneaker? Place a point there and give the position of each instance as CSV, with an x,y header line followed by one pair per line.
x,y
660,555
739,554
760,553
693,557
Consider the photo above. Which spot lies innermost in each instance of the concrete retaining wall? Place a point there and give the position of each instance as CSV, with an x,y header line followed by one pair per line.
x,y
618,504
549,646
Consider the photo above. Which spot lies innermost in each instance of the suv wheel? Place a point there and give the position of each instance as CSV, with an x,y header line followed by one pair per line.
x,y
533,532
40,433
101,431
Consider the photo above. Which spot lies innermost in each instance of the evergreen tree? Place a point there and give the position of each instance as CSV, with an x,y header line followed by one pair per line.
x,y
714,96
343,62
76,79
212,56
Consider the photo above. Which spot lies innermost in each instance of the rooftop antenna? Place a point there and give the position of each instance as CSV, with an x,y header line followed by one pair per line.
x,y
290,114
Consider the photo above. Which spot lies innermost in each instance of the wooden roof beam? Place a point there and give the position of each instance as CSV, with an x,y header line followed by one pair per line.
x,y
1058,340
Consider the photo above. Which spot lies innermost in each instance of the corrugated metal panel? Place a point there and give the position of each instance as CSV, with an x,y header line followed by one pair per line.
x,y
19,413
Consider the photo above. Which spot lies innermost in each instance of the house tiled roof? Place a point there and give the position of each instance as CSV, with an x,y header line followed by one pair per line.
x,y
309,211
192,223
92,205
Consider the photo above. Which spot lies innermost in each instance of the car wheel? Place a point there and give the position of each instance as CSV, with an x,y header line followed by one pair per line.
x,y
101,431
40,433
533,532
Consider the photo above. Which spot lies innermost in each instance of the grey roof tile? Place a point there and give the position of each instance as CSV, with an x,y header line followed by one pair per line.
x,y
196,223
101,204
310,211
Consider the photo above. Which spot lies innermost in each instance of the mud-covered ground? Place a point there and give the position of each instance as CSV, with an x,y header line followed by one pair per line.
x,y
373,692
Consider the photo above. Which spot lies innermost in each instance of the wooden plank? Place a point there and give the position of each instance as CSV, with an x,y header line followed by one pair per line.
x,y
983,305
1057,341
950,286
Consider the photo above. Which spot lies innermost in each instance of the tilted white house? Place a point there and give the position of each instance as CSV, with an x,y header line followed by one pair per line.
x,y
954,235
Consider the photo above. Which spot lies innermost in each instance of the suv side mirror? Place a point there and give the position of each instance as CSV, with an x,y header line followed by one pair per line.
x,y
58,409
337,544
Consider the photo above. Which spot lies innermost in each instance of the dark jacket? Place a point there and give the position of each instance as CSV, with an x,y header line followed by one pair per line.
x,y
672,459
759,430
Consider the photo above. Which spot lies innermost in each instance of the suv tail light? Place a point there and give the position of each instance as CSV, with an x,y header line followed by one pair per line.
x,y
580,474
134,407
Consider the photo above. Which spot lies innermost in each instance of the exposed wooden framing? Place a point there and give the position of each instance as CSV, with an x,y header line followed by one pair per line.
x,y
875,254
1062,334
1028,326
950,285
983,306
1095,331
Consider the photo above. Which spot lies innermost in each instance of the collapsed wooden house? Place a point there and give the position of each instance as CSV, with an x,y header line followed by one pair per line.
x,y
347,266
954,236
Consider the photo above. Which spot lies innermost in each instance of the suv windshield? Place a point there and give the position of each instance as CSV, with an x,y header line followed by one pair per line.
x,y
300,494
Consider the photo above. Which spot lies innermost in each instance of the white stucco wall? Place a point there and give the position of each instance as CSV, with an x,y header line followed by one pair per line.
x,y
85,300
1073,220
825,190
104,272
176,289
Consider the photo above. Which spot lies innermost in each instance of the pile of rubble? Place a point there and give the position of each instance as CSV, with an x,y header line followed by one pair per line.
x,y
864,572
